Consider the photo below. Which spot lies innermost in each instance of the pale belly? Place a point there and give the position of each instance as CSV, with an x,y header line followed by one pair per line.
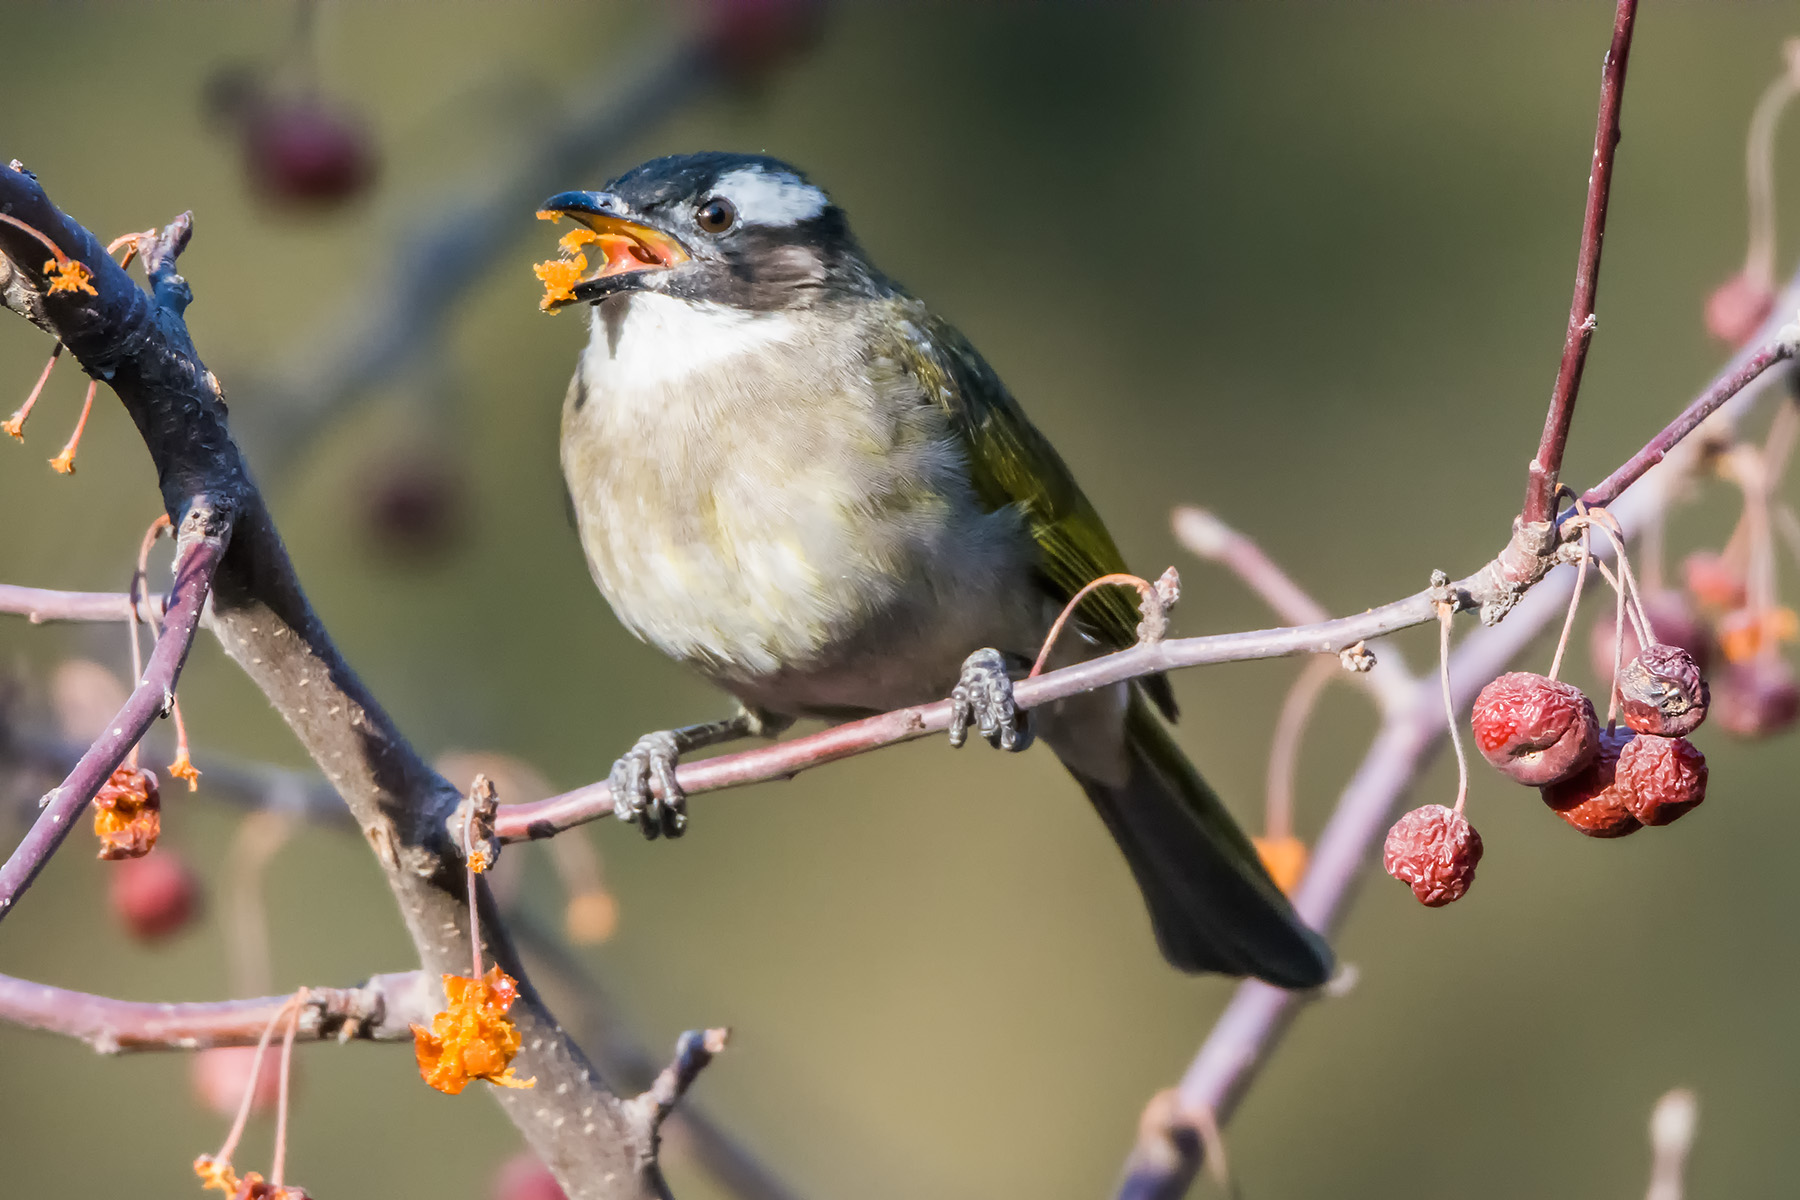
x,y
812,556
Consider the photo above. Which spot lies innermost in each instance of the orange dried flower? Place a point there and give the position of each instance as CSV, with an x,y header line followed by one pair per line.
x,y
128,813
216,1174
183,768
1746,633
472,1039
1284,858
67,275
559,277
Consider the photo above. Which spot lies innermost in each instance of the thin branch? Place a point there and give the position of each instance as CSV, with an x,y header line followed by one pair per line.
x,y
1252,1024
1494,589
380,1010
694,1051
1782,345
252,785
147,701
628,1063
1208,537
39,605
1546,465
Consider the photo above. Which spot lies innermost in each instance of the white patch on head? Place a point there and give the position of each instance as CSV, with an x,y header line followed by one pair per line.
x,y
660,339
771,197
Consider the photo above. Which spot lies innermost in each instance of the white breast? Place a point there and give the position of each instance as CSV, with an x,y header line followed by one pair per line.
x,y
649,341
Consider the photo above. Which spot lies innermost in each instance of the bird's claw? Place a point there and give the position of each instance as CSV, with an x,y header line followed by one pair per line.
x,y
983,698
650,761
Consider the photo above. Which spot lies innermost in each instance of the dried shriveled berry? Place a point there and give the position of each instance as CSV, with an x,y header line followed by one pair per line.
x,y
748,38
523,1177
1534,729
1661,777
303,152
219,1076
1592,801
1757,698
1713,581
153,896
1663,692
1738,307
1434,850
128,813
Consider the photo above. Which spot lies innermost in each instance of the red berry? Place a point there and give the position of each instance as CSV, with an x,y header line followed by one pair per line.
x,y
1713,581
299,151
523,1177
1434,850
1535,730
155,895
220,1075
1737,308
1591,801
749,37
1758,697
1663,692
1662,777
413,505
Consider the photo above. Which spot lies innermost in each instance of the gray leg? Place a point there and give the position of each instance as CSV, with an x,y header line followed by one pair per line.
x,y
983,697
652,762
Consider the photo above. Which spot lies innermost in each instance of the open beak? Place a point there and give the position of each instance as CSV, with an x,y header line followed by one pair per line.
x,y
628,250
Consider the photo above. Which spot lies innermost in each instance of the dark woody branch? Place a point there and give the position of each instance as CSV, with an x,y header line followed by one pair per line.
x,y
138,343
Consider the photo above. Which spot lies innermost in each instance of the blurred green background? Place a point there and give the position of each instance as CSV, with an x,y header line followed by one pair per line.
x,y
1306,265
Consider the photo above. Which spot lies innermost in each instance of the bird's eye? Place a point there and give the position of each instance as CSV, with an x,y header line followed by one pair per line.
x,y
716,215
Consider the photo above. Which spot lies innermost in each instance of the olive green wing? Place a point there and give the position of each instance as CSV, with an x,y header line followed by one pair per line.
x,y
1011,463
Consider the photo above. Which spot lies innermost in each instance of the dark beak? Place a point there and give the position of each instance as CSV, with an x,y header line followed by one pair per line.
x,y
630,251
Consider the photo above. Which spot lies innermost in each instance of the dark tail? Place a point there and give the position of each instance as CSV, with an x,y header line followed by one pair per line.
x,y
1211,903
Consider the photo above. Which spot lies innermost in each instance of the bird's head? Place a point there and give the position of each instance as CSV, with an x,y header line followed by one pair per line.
x,y
732,229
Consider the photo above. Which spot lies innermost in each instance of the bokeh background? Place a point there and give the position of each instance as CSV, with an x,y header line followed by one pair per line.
x,y
1305,264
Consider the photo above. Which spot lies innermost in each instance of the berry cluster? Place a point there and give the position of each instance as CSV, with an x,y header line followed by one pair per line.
x,y
1606,781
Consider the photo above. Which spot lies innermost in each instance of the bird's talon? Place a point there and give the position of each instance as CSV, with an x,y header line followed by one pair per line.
x,y
983,697
651,760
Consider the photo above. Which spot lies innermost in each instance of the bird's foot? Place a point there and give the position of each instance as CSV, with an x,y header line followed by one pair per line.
x,y
651,760
983,697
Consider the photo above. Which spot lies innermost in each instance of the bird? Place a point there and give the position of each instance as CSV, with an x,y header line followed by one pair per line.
x,y
791,475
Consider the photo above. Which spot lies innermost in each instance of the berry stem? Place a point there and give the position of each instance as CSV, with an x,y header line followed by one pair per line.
x,y
468,847
278,1164
1145,588
260,835
1284,747
64,463
1445,613
1759,170
15,424
243,1112
1562,642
